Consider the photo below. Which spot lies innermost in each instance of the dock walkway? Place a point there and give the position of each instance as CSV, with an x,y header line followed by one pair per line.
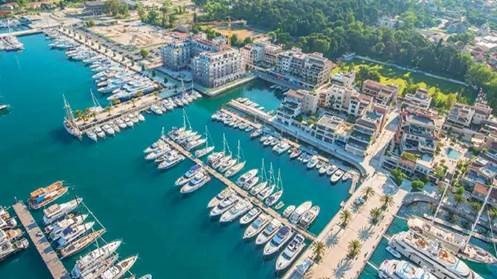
x,y
49,256
241,192
21,32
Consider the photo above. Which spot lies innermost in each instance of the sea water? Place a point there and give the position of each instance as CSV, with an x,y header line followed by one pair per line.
x,y
172,234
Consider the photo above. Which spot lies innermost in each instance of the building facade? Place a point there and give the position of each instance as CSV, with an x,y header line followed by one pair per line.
x,y
214,69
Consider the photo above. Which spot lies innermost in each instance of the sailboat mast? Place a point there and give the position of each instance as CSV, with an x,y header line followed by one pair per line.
x,y
67,108
238,151
94,99
478,216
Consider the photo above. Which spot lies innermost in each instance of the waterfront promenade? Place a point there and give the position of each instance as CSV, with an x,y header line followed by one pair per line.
x,y
48,255
334,262
242,193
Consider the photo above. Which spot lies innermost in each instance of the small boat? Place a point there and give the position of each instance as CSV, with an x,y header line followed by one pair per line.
x,y
313,162
281,147
80,243
309,216
188,175
273,198
236,211
393,252
335,177
295,153
292,250
288,211
256,133
299,211
331,170
323,169
256,226
219,197
250,183
91,135
118,270
282,236
99,267
171,162
269,231
266,192
224,205
279,205
57,211
250,216
45,195
199,180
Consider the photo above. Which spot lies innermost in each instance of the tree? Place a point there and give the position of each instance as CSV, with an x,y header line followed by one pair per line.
x,y
367,192
318,251
387,201
475,205
144,53
459,198
345,216
166,4
398,176
375,215
418,185
354,248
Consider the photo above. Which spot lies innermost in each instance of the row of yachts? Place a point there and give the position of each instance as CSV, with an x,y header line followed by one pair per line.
x,y
69,229
268,232
281,145
110,76
10,43
11,237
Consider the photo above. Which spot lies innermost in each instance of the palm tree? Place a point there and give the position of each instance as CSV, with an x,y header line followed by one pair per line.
x,y
367,192
375,215
387,201
318,251
458,198
345,216
354,248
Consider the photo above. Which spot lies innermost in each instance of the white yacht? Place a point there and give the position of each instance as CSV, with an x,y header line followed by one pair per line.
x,y
431,255
309,216
299,211
257,188
312,162
273,198
100,267
118,270
188,175
236,211
219,197
242,180
453,241
57,211
269,231
54,230
292,250
395,269
234,169
224,205
250,216
288,211
335,177
282,236
257,226
204,151
90,261
70,234
198,180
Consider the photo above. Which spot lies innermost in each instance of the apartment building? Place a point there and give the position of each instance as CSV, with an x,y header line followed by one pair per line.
x,y
344,99
382,94
481,174
331,129
310,70
418,131
365,130
213,69
417,100
297,102
260,53
180,48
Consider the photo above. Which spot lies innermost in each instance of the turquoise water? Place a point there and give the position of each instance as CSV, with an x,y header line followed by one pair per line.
x,y
453,154
172,234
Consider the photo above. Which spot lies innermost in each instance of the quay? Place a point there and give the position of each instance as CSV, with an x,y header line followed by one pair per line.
x,y
273,213
49,256
266,118
138,104
22,32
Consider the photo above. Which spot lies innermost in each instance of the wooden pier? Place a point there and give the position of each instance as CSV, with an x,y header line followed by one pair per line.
x,y
49,256
241,192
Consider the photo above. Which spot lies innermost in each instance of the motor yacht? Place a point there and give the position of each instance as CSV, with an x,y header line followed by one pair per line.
x,y
57,211
236,211
288,211
244,178
224,205
269,231
118,270
250,216
188,175
335,177
282,236
219,197
90,261
395,269
198,180
290,253
273,198
45,195
71,233
299,211
309,216
256,226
